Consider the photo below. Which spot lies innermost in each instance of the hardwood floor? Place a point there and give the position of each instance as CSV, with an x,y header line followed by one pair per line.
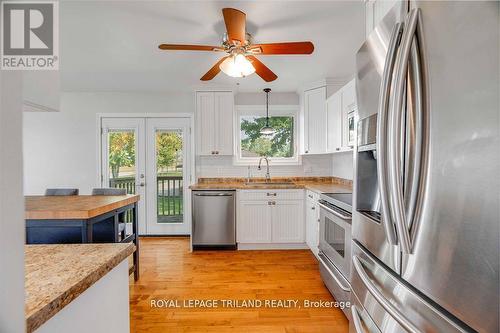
x,y
169,271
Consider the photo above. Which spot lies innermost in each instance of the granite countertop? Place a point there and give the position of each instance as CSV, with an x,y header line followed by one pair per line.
x,y
57,274
316,184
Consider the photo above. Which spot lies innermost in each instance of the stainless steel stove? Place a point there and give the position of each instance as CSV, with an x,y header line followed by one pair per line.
x,y
335,244
337,200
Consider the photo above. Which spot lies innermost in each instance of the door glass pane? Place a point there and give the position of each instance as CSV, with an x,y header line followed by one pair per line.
x,y
169,176
335,236
121,159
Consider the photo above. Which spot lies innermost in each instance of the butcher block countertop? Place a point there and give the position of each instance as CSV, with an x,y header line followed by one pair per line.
x,y
57,274
316,184
74,206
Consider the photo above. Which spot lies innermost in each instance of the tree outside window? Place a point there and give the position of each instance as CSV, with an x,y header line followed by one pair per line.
x,y
254,144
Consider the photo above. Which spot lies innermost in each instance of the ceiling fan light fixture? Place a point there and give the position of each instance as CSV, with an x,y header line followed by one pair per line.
x,y
237,66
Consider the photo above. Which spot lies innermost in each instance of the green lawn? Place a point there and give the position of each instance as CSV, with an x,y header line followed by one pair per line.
x,y
167,205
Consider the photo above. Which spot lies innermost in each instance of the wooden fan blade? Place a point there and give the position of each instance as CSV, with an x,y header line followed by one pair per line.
x,y
283,48
180,47
235,24
262,70
213,71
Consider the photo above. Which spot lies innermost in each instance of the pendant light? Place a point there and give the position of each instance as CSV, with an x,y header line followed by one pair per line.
x,y
267,130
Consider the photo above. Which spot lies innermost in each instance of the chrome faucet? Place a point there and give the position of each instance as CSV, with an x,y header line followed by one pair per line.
x,y
268,175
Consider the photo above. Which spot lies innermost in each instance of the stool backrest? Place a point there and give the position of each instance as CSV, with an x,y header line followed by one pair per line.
x,y
109,191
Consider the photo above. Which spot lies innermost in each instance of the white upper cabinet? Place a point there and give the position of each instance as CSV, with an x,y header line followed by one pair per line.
x,y
341,127
334,122
375,11
349,106
214,118
224,108
315,121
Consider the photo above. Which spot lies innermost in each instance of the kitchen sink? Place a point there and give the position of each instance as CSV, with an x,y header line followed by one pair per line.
x,y
268,183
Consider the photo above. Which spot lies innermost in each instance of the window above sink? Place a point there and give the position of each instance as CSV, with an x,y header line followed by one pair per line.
x,y
281,148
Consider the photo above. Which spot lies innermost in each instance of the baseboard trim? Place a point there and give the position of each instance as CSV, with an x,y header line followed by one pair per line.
x,y
272,246
160,235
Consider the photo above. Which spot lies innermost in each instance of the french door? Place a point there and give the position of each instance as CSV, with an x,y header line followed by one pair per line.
x,y
150,157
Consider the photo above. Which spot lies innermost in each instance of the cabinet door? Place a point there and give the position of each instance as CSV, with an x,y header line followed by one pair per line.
x,y
288,221
315,121
349,105
224,122
254,222
349,95
205,118
312,225
334,122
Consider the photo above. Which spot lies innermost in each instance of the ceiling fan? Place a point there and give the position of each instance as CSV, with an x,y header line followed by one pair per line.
x,y
238,44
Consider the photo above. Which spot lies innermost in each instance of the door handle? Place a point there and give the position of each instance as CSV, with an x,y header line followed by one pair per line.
x,y
342,216
395,121
373,290
213,194
340,284
382,130
141,184
356,318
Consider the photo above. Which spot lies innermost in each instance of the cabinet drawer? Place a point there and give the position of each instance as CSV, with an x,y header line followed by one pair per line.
x,y
271,194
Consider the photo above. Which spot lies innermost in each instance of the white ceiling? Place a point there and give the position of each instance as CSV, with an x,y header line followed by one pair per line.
x,y
113,45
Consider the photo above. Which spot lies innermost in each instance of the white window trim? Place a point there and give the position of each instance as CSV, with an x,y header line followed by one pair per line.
x,y
274,110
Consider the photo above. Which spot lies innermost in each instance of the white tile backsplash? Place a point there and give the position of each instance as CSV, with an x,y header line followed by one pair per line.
x,y
222,166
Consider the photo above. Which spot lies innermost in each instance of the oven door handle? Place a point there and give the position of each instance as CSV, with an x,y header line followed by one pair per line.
x,y
328,209
342,286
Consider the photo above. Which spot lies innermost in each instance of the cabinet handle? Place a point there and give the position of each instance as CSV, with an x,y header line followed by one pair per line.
x,y
217,152
307,151
269,203
310,196
313,208
274,203
337,149
271,194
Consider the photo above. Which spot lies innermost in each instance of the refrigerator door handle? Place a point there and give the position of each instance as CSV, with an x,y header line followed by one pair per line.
x,y
356,318
395,122
382,132
416,186
392,310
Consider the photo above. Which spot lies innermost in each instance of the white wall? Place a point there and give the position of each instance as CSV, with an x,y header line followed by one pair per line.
x,y
60,148
41,90
342,165
11,204
222,166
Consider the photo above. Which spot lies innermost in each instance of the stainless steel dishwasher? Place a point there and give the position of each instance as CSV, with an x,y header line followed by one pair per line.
x,y
214,219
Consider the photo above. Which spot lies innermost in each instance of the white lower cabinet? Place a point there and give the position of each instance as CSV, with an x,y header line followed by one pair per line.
x,y
254,222
312,221
287,221
269,219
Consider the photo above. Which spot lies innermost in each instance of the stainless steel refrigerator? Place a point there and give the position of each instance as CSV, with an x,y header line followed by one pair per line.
x,y
426,187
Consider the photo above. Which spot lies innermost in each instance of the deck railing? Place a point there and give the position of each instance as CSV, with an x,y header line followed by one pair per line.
x,y
169,189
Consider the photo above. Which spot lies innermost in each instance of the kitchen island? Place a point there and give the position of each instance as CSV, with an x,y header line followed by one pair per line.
x,y
77,287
